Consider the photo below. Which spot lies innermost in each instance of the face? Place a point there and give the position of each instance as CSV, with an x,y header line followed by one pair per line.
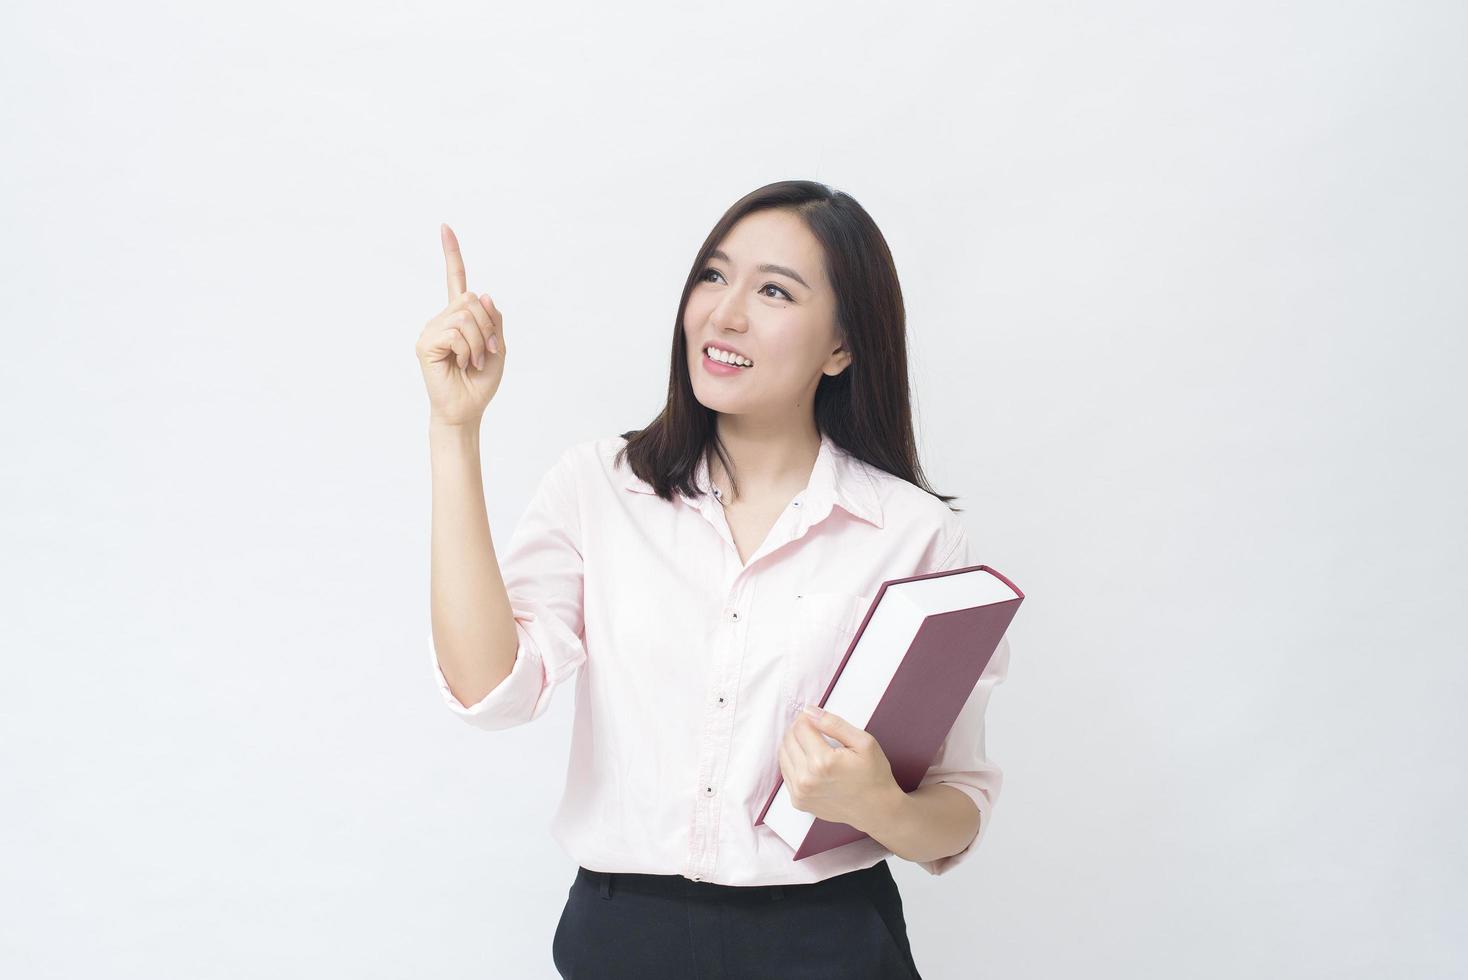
x,y
764,293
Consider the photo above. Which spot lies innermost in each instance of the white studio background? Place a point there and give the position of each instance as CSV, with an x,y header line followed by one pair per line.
x,y
1186,304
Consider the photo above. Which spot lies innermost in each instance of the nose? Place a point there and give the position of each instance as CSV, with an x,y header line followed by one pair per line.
x,y
729,313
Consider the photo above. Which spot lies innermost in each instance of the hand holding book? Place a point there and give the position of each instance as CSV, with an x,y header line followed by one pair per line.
x,y
912,664
837,782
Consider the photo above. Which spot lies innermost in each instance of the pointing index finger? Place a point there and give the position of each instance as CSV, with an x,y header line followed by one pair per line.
x,y
453,261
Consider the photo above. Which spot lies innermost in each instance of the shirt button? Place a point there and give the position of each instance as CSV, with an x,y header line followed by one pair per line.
x,y
722,701
734,615
708,791
796,504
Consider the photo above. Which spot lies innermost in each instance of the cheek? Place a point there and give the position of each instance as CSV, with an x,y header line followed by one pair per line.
x,y
696,312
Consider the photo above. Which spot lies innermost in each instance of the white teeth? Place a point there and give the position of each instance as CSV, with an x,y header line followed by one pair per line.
x,y
728,358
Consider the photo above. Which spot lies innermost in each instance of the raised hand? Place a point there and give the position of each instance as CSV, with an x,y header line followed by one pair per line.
x,y
461,350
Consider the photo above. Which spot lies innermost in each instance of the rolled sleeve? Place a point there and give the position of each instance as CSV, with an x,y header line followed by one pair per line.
x,y
542,570
961,761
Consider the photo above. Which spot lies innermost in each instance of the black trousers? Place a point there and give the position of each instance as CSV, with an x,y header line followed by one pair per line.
x,y
848,927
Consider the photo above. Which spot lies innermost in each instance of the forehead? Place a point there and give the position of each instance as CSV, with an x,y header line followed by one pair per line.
x,y
779,237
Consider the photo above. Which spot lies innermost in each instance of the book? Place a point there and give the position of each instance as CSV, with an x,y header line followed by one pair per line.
x,y
909,668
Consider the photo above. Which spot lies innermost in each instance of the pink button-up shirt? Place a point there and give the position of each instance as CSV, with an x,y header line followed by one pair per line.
x,y
691,664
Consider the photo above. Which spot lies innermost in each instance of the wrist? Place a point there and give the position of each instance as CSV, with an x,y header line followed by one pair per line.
x,y
887,814
453,434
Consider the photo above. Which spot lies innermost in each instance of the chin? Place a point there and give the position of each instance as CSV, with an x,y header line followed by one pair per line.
x,y
724,406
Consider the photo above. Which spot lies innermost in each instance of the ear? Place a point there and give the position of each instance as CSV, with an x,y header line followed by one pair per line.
x,y
839,361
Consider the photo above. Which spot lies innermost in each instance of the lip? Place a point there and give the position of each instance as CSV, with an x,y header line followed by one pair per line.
x,y
719,368
722,346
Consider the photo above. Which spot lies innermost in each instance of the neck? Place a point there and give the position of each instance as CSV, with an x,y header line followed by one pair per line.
x,y
767,459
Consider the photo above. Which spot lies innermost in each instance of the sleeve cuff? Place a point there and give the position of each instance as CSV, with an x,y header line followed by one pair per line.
x,y
984,797
522,696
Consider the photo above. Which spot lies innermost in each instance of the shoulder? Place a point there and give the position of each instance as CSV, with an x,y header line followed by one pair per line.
x,y
592,463
920,519
908,509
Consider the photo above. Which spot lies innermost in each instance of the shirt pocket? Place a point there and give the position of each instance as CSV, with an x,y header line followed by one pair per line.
x,y
820,627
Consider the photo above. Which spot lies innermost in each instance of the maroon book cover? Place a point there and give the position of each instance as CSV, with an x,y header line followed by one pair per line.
x,y
935,677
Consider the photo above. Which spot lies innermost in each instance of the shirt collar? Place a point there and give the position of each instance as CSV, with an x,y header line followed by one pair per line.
x,y
838,478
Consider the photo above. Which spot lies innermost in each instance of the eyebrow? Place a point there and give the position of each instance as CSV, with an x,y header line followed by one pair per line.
x,y
767,267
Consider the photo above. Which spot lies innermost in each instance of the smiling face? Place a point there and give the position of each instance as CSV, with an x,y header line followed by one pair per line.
x,y
764,294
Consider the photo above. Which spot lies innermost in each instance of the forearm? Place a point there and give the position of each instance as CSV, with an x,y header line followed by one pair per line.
x,y
473,627
929,823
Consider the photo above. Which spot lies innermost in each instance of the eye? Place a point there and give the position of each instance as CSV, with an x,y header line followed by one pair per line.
x,y
704,277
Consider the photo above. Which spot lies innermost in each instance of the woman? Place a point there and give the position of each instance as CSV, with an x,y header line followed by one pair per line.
x,y
702,578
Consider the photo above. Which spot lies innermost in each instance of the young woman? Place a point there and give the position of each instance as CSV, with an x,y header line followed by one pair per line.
x,y
701,578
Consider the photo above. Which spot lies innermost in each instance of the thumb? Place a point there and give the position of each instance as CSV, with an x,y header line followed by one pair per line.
x,y
493,341
833,725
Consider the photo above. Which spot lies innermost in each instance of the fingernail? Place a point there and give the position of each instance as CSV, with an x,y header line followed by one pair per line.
x,y
479,361
812,710
494,344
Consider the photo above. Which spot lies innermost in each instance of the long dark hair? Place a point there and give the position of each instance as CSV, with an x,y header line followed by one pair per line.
x,y
865,409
